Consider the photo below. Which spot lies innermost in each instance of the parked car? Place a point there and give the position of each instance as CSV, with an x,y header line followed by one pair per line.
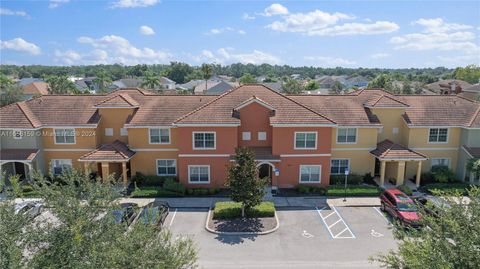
x,y
154,213
400,207
432,205
30,208
126,214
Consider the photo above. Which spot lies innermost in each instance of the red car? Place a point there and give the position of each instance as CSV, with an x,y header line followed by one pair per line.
x,y
400,207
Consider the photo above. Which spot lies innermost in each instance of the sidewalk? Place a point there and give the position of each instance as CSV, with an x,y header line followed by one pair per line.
x,y
354,201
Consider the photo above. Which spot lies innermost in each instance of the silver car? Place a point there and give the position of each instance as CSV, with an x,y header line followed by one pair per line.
x,y
30,208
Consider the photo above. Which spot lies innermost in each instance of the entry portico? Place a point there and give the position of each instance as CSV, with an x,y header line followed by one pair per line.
x,y
17,162
392,159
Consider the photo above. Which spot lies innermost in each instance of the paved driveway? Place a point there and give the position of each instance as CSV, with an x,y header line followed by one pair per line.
x,y
302,241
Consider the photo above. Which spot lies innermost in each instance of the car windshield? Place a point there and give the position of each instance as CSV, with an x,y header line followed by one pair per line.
x,y
149,215
118,216
408,207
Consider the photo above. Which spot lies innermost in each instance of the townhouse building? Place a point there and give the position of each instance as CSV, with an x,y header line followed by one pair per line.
x,y
297,139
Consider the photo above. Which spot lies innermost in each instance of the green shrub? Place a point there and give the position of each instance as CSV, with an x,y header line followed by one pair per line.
x,y
151,192
442,174
303,189
171,185
448,187
405,189
427,178
352,179
368,179
231,210
353,191
149,180
212,191
318,190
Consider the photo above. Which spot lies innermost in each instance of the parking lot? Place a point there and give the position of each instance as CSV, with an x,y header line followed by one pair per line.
x,y
308,237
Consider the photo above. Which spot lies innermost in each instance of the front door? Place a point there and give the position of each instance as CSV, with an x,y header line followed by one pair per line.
x,y
265,171
377,167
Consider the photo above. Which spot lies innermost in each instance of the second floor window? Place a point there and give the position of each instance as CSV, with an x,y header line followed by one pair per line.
x,y
306,140
346,135
204,140
64,136
159,136
438,135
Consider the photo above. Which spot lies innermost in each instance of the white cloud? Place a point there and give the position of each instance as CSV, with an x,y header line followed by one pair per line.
x,y
120,50
134,3
275,9
228,56
20,45
461,60
57,3
242,32
437,25
217,31
323,23
329,61
71,57
380,55
438,35
145,30
9,12
247,17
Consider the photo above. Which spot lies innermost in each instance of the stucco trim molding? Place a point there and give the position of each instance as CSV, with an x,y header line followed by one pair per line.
x,y
305,155
64,150
154,149
203,155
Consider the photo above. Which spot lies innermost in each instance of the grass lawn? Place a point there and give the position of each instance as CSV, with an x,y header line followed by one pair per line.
x,y
231,210
151,192
358,191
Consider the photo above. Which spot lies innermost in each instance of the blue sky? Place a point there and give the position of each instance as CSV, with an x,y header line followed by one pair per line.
x,y
393,34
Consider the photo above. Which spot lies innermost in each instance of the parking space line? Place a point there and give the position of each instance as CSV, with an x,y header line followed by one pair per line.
x,y
173,217
381,214
334,223
346,225
323,220
336,236
329,215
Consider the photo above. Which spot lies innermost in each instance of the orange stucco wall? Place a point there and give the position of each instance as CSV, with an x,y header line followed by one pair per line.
x,y
289,167
284,140
255,118
226,140
85,138
113,118
139,138
218,170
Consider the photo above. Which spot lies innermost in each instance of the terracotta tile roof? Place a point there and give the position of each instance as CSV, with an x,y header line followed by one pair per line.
x,y
18,154
474,152
115,151
392,151
36,88
384,101
288,111
119,100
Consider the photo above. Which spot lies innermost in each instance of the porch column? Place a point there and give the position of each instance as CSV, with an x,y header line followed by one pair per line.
x,y
105,171
419,174
124,173
30,170
86,167
382,173
400,173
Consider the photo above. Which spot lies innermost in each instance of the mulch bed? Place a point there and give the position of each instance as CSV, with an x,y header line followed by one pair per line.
x,y
242,225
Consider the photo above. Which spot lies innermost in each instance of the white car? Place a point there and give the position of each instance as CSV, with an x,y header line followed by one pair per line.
x,y
30,208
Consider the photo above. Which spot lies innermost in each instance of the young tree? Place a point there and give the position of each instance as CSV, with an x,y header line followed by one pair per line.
x,y
60,85
82,232
473,166
150,80
178,72
102,79
311,85
207,72
9,91
336,88
451,240
243,180
469,73
247,78
292,86
407,87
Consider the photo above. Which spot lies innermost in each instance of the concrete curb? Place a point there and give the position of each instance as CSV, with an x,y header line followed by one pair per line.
x,y
241,233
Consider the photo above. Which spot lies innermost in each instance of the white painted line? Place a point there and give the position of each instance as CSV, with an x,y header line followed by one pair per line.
x,y
346,225
173,217
326,226
329,215
346,229
381,214
334,223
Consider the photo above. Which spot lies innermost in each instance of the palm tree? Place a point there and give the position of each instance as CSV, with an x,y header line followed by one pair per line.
x,y
207,71
150,80
102,80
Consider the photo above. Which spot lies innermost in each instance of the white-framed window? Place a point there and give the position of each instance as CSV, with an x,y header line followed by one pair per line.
x,y
17,134
394,130
64,136
438,135
204,140
108,131
262,136
61,165
346,135
199,174
310,173
246,135
166,167
441,162
123,132
338,166
159,136
305,140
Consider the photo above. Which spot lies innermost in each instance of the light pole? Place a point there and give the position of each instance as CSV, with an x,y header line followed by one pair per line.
x,y
345,194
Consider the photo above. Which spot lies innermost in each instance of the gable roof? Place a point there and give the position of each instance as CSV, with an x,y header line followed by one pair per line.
x,y
219,110
118,101
115,151
387,150
384,101
254,99
36,88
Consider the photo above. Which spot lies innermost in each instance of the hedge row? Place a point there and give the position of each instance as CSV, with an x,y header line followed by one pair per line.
x,y
231,210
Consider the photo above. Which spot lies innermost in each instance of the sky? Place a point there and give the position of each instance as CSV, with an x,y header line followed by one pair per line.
x,y
383,34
